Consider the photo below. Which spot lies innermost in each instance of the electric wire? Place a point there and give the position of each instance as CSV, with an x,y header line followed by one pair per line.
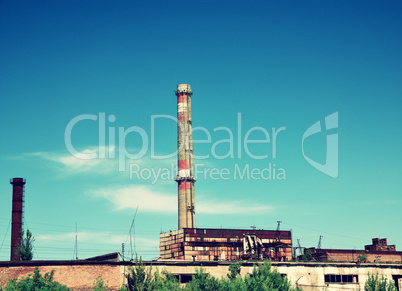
x,y
8,227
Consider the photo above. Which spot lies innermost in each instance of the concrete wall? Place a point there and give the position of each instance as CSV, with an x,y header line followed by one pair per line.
x,y
308,276
311,276
80,275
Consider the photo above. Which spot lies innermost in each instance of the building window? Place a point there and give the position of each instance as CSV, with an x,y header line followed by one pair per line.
x,y
332,278
184,278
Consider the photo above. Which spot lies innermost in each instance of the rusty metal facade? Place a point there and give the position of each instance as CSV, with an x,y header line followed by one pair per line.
x,y
185,177
206,244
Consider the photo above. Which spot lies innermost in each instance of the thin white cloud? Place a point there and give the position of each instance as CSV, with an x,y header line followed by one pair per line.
x,y
150,200
103,237
132,196
70,165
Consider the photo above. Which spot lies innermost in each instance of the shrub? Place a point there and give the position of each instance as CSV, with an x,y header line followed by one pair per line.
x,y
202,281
99,285
362,258
263,277
138,277
35,282
378,284
234,271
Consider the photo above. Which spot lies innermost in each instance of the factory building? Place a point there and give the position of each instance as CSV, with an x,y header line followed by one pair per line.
x,y
378,252
379,245
184,251
309,276
209,244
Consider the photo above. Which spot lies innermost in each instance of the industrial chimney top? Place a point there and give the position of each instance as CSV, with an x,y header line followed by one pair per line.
x,y
184,88
16,181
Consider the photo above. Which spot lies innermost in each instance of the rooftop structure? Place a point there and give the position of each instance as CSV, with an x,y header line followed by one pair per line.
x,y
209,244
378,252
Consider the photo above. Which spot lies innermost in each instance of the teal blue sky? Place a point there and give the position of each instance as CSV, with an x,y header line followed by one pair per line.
x,y
276,63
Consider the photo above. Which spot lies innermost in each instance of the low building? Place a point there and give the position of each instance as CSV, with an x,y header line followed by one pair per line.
x,y
378,252
80,275
379,245
209,244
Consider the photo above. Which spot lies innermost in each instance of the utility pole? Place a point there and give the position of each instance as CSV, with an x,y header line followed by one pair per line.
x,y
279,224
76,242
299,247
132,234
122,250
319,242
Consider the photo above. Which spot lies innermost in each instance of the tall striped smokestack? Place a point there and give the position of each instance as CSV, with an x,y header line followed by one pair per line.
x,y
185,177
17,214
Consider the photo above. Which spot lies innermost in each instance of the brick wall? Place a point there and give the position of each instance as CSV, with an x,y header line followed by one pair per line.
x,y
371,257
343,257
353,255
384,258
76,277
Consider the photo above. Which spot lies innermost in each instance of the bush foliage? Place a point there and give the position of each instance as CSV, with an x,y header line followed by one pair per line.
x,y
26,247
139,277
35,282
263,277
374,283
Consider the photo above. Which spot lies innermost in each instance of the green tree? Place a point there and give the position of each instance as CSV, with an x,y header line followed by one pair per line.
x,y
307,256
165,282
99,285
362,258
374,283
234,271
26,247
264,277
236,284
35,282
139,277
203,281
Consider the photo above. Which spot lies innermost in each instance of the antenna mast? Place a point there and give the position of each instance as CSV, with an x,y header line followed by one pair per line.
x,y
319,242
76,243
132,233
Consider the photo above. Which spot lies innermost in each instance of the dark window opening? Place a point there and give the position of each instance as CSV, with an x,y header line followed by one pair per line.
x,y
332,278
184,278
397,282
